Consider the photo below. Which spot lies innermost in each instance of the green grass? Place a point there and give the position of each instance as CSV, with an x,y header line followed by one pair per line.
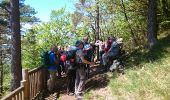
x,y
147,75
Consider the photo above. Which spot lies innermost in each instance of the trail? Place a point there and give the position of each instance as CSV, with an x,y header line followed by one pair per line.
x,y
97,84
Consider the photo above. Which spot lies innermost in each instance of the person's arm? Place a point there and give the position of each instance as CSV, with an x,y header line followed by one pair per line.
x,y
86,62
80,54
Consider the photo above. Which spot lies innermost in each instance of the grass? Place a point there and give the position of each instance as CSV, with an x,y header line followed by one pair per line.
x,y
147,75
6,80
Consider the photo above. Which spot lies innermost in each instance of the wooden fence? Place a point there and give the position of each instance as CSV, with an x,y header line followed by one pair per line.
x,y
32,85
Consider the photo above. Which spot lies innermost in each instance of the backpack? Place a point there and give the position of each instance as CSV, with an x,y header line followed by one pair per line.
x,y
70,54
46,58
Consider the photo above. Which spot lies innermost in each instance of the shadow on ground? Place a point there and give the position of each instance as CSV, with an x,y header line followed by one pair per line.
x,y
140,56
97,79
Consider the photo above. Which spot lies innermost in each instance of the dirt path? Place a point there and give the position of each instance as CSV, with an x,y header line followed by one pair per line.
x,y
96,84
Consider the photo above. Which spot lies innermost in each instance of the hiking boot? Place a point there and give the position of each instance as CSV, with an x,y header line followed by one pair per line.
x,y
70,93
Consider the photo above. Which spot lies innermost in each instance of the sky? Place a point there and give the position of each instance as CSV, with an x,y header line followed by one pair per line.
x,y
44,7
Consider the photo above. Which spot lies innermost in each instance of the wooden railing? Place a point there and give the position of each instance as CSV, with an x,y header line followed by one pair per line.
x,y
32,85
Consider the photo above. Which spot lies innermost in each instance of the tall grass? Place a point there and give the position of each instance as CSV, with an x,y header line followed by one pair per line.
x,y
147,74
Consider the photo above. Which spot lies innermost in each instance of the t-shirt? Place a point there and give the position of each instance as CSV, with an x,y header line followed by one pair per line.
x,y
52,58
101,45
79,55
115,48
88,52
108,45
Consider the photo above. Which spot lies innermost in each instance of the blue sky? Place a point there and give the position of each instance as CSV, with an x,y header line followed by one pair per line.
x,y
44,7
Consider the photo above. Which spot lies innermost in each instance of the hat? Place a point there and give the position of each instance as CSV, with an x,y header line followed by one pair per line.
x,y
78,42
119,40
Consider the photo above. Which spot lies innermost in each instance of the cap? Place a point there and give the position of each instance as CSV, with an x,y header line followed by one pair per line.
x,y
78,42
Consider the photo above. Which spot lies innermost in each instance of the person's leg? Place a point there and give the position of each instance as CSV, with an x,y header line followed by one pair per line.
x,y
68,81
59,71
82,74
62,66
77,80
73,80
51,81
105,59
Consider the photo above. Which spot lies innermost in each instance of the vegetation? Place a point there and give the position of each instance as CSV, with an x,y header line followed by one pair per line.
x,y
146,77
143,25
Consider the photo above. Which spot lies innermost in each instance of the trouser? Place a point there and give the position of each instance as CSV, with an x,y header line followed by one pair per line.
x,y
106,57
87,68
62,66
71,75
52,80
59,71
80,79
100,56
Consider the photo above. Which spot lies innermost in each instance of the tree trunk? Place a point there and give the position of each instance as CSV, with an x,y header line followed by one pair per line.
x,y
1,72
135,42
16,68
97,28
152,26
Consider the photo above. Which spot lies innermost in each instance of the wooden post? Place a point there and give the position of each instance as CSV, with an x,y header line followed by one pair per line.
x,y
26,84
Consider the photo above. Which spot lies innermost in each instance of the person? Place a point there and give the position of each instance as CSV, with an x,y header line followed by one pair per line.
x,y
61,67
106,49
112,53
80,71
52,68
101,45
87,49
88,53
68,57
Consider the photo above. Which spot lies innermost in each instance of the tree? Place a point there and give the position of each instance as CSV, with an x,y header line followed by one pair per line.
x,y
16,68
127,20
41,37
152,23
26,17
97,26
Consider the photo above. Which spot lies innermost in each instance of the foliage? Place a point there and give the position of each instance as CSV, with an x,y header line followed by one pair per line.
x,y
41,37
146,75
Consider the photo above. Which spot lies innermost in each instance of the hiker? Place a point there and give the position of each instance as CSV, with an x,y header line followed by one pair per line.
x,y
80,71
69,58
87,49
88,53
108,44
113,52
101,45
52,68
61,69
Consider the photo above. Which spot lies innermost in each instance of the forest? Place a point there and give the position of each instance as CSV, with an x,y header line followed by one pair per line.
x,y
144,26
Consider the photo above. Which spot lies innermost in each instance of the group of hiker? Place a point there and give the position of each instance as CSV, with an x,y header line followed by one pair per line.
x,y
75,60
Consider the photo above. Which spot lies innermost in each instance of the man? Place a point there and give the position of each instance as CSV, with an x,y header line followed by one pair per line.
x,y
69,60
106,49
52,68
101,45
88,53
87,48
112,53
80,71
